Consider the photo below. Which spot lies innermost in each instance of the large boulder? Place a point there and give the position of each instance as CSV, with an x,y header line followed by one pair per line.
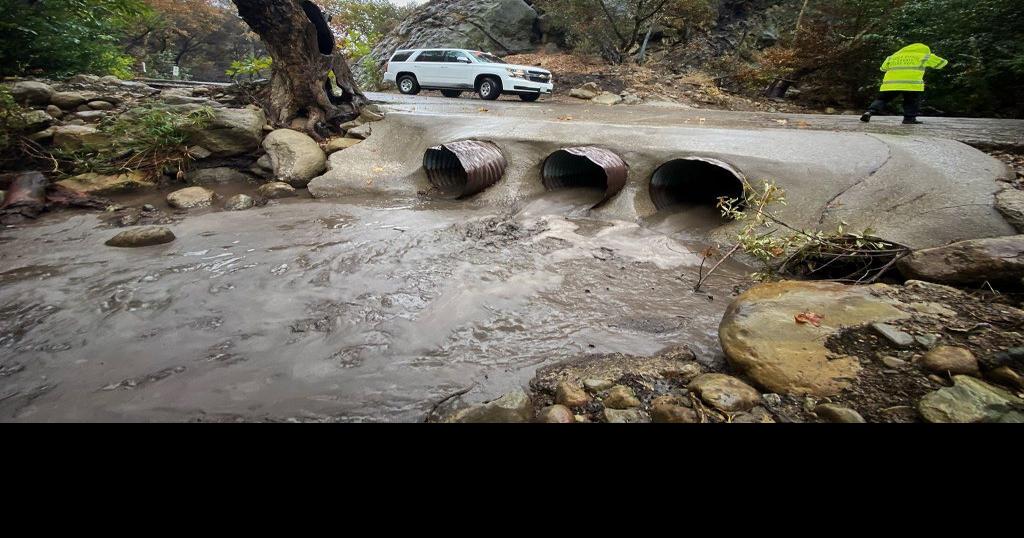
x,y
29,92
211,176
500,26
72,100
296,157
975,261
231,132
761,337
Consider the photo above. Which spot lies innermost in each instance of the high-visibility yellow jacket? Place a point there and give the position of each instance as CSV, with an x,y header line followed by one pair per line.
x,y
904,71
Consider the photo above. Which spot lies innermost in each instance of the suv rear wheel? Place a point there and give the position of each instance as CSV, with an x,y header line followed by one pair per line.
x,y
490,89
529,97
407,84
451,93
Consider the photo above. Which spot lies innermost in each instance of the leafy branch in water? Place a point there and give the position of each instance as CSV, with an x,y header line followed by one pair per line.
x,y
838,256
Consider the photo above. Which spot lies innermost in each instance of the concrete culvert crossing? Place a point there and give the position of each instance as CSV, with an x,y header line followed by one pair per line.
x,y
461,169
586,168
694,182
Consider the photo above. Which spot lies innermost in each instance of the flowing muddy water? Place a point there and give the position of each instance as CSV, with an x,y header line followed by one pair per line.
x,y
348,310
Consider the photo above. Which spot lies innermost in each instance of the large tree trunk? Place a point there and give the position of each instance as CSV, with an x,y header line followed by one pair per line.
x,y
303,48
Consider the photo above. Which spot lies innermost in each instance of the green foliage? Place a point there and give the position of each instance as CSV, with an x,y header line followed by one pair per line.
x,y
361,24
11,122
251,66
148,139
616,29
63,37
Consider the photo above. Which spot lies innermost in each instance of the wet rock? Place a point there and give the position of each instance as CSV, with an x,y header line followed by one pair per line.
x,y
893,362
556,414
296,157
762,339
669,409
98,184
91,116
100,105
275,190
620,397
231,132
970,400
199,152
141,237
838,414
1010,202
607,98
54,111
1004,358
512,407
31,93
927,341
950,360
370,116
597,385
191,198
338,144
212,176
78,136
625,416
977,261
772,399
239,202
757,415
265,163
71,100
37,120
725,393
362,132
570,395
1004,375
581,93
894,335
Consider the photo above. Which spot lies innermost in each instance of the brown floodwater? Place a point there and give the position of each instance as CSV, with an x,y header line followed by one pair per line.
x,y
356,309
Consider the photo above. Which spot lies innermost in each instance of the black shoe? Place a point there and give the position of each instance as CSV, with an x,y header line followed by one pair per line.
x,y
866,117
911,121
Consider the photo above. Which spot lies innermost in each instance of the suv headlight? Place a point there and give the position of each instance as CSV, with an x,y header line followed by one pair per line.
x,y
516,73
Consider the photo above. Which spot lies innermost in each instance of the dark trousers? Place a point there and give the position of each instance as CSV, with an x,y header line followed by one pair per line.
x,y
911,103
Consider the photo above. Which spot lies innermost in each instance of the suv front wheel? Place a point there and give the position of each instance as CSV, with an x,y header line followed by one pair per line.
x,y
407,84
490,89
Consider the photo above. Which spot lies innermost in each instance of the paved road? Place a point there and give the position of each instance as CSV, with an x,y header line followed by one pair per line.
x,y
983,132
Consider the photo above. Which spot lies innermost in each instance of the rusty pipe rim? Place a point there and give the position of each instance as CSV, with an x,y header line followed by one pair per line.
x,y
585,167
465,168
695,181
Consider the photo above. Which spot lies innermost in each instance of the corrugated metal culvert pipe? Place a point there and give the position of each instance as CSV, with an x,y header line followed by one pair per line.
x,y
694,181
460,169
585,167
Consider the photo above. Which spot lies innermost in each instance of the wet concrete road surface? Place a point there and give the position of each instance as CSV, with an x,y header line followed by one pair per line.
x,y
339,310
982,132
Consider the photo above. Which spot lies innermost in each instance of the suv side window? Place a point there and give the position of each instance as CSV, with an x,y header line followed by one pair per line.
x,y
401,56
453,56
431,56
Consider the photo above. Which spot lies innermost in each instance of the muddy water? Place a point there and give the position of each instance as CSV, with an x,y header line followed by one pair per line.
x,y
351,310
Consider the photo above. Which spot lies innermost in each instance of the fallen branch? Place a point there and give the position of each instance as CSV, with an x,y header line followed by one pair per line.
x,y
441,402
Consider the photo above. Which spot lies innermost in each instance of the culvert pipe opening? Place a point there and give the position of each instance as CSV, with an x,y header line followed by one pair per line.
x,y
460,169
585,168
695,182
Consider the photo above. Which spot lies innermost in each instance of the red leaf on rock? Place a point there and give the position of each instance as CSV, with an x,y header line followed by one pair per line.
x,y
810,317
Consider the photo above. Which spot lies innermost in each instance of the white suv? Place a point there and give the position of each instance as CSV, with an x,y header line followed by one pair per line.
x,y
454,71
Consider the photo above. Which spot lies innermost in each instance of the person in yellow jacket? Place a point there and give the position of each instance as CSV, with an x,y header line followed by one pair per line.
x,y
904,75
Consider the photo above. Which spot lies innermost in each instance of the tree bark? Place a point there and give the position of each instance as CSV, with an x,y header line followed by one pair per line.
x,y
302,46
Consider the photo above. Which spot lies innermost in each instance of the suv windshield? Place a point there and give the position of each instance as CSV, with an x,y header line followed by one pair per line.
x,y
488,58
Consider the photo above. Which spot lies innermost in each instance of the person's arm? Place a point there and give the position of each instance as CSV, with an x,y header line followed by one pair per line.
x,y
885,64
937,62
